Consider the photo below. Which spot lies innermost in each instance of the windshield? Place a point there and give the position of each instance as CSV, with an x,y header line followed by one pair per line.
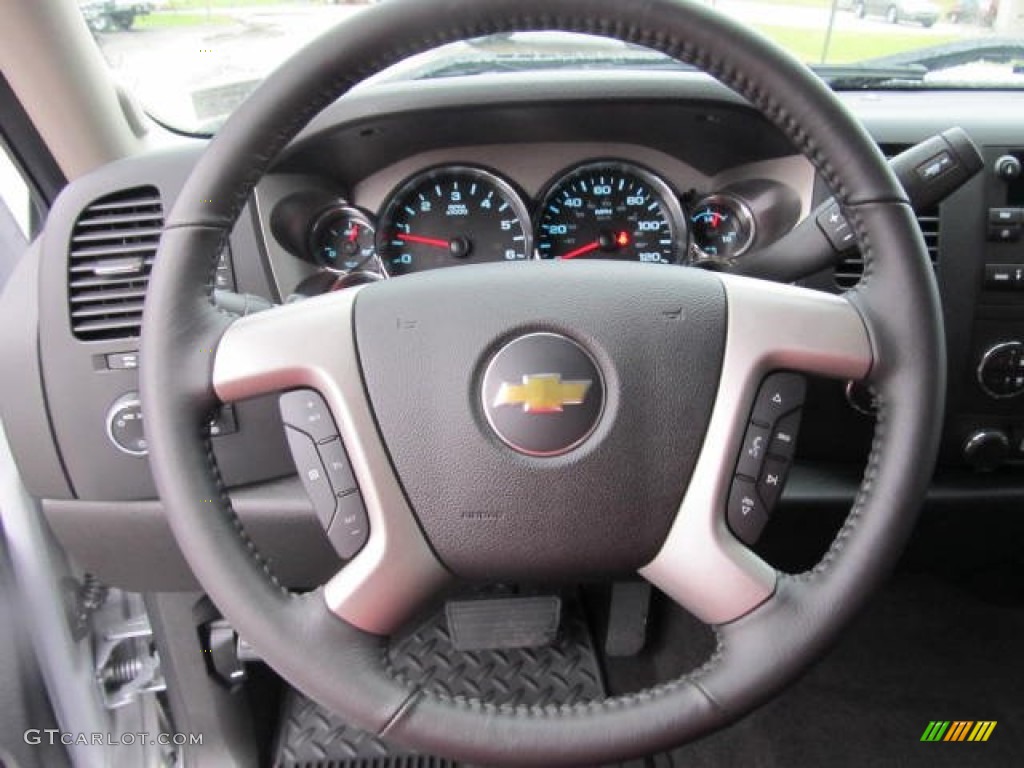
x,y
191,62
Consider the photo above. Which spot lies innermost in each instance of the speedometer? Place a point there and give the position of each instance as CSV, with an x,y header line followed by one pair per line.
x,y
611,210
453,215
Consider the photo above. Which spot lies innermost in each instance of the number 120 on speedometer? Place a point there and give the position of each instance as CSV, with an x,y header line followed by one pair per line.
x,y
611,211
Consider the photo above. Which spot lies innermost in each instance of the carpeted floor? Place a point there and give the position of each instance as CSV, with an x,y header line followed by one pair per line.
x,y
924,650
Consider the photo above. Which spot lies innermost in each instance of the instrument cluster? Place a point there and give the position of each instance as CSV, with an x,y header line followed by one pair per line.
x,y
467,214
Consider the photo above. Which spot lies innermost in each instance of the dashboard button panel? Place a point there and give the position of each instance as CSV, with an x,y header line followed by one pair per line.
x,y
765,454
324,469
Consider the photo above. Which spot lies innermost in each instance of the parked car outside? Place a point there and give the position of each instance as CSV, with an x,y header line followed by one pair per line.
x,y
923,12
108,15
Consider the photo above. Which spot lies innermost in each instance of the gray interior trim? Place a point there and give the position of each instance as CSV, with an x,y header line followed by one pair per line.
x,y
396,571
40,568
702,566
59,75
129,544
25,415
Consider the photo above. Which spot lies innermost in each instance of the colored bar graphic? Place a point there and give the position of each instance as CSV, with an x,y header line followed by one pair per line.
x,y
982,730
935,730
958,730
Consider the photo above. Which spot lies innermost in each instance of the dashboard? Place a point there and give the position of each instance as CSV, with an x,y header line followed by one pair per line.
x,y
666,168
601,202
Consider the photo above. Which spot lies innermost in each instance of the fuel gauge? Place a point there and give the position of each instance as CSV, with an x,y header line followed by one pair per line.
x,y
342,239
723,227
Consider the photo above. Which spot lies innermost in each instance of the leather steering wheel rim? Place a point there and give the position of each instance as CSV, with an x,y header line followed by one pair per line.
x,y
345,668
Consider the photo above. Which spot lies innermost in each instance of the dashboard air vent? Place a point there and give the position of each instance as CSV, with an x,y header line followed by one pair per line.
x,y
113,246
850,270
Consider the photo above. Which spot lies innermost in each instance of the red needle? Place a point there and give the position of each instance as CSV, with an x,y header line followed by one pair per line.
x,y
353,233
424,240
582,250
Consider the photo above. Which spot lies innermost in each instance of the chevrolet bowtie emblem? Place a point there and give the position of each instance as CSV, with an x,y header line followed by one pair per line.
x,y
543,393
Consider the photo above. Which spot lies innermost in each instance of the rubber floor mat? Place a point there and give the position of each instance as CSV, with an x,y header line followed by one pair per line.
x,y
565,672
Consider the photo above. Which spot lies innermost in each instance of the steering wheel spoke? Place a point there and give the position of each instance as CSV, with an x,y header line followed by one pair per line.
x,y
395,572
703,565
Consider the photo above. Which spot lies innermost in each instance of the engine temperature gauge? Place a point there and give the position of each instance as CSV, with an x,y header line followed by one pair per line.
x,y
723,227
342,240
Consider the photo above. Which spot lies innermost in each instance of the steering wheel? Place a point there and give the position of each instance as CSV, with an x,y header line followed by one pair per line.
x,y
458,485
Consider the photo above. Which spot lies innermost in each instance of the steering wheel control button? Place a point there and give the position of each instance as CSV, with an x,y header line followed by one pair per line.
x,y
746,514
542,394
783,439
313,475
780,393
350,529
773,476
753,451
125,427
305,410
339,471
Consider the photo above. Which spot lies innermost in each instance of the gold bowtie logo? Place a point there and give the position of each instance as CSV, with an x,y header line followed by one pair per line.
x,y
543,393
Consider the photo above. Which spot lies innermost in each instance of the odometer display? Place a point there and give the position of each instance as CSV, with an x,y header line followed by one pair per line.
x,y
453,215
611,211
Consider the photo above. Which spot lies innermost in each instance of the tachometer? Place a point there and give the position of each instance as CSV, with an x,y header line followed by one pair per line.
x,y
611,210
453,215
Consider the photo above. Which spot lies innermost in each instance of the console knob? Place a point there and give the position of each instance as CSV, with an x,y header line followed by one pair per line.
x,y
1008,168
1001,370
124,425
986,449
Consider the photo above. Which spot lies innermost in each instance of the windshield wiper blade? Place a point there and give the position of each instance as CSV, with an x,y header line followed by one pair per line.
x,y
955,54
868,75
525,63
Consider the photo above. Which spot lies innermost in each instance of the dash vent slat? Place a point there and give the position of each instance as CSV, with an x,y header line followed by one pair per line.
x,y
850,270
113,246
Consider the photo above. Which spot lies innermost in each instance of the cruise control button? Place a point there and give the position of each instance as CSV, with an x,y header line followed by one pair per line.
x,y
753,451
836,228
304,409
746,513
313,474
339,472
350,529
783,442
779,394
772,479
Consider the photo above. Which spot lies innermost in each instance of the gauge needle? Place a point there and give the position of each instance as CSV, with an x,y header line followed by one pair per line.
x,y
582,250
353,234
436,242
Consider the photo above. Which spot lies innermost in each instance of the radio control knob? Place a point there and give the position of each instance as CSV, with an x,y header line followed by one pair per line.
x,y
986,449
1001,370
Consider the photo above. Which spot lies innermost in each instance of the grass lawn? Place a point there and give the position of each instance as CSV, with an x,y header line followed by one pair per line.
x,y
847,46
162,20
202,5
